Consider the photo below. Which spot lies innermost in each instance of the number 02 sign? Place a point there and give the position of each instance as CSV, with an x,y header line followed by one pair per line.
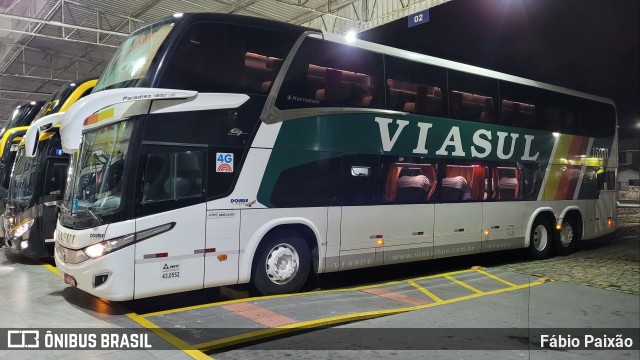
x,y
418,18
224,162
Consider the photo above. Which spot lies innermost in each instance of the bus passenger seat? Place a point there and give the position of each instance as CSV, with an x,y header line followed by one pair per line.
x,y
413,187
455,189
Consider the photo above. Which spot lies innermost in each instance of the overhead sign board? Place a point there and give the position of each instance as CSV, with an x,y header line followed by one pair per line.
x,y
418,18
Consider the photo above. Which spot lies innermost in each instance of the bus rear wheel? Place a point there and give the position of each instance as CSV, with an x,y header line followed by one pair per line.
x,y
282,264
540,238
569,237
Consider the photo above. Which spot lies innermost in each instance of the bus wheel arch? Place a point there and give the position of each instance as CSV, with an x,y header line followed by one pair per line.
x,y
570,233
285,258
541,235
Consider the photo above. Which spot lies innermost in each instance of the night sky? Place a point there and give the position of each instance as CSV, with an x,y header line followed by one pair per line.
x,y
585,45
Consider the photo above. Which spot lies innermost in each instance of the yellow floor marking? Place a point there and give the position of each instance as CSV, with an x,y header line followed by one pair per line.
x,y
166,336
358,288
465,285
265,333
258,298
52,268
495,278
431,295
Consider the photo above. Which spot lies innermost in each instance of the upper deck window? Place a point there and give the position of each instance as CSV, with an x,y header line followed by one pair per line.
x,y
215,57
325,74
415,87
131,62
473,98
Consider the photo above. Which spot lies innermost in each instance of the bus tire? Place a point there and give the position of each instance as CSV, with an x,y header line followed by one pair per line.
x,y
541,238
568,237
282,264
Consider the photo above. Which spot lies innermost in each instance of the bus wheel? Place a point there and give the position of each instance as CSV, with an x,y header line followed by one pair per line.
x,y
569,237
541,238
283,264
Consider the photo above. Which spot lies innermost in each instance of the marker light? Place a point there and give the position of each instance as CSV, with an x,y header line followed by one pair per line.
x,y
610,222
558,226
486,233
222,257
380,242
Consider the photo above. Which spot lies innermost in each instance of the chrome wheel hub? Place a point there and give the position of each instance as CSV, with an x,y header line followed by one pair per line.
x,y
566,234
282,264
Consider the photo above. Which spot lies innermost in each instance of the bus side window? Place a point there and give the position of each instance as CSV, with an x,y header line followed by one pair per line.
x,y
415,87
464,183
361,179
473,98
410,180
326,74
172,176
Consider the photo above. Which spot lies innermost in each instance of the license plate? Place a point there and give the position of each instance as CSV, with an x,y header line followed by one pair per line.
x,y
68,279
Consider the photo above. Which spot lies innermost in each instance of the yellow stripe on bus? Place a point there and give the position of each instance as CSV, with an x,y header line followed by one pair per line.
x,y
553,178
6,135
75,95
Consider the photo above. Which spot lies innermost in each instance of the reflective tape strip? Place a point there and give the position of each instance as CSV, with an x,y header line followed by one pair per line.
x,y
156,255
203,251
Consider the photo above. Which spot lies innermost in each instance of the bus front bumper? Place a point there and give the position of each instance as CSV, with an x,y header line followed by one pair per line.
x,y
109,277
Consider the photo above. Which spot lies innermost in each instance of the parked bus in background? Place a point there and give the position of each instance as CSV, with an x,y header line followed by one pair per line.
x,y
289,152
10,137
37,183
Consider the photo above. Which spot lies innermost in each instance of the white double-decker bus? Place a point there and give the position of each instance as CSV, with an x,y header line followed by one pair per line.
x,y
220,149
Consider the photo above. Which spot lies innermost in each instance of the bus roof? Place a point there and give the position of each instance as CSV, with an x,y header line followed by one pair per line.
x,y
232,19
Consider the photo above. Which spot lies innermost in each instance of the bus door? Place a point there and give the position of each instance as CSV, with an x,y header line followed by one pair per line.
x,y
55,180
397,231
171,211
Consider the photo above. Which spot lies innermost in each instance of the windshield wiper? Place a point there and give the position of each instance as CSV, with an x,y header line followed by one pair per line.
x,y
97,220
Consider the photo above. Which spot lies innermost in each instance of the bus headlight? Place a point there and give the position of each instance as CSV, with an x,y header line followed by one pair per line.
x,y
102,248
22,228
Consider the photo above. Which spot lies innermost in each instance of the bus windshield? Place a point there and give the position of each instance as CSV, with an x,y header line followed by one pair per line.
x,y
96,169
24,179
132,60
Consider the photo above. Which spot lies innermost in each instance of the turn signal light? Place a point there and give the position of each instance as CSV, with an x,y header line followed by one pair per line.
x,y
558,226
380,242
486,233
610,222
222,257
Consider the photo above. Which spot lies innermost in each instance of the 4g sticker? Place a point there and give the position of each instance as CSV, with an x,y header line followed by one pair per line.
x,y
224,162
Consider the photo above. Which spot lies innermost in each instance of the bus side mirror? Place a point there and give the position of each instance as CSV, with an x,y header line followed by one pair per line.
x,y
30,142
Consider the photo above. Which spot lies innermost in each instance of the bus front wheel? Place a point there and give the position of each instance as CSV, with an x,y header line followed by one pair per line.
x,y
541,238
282,265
